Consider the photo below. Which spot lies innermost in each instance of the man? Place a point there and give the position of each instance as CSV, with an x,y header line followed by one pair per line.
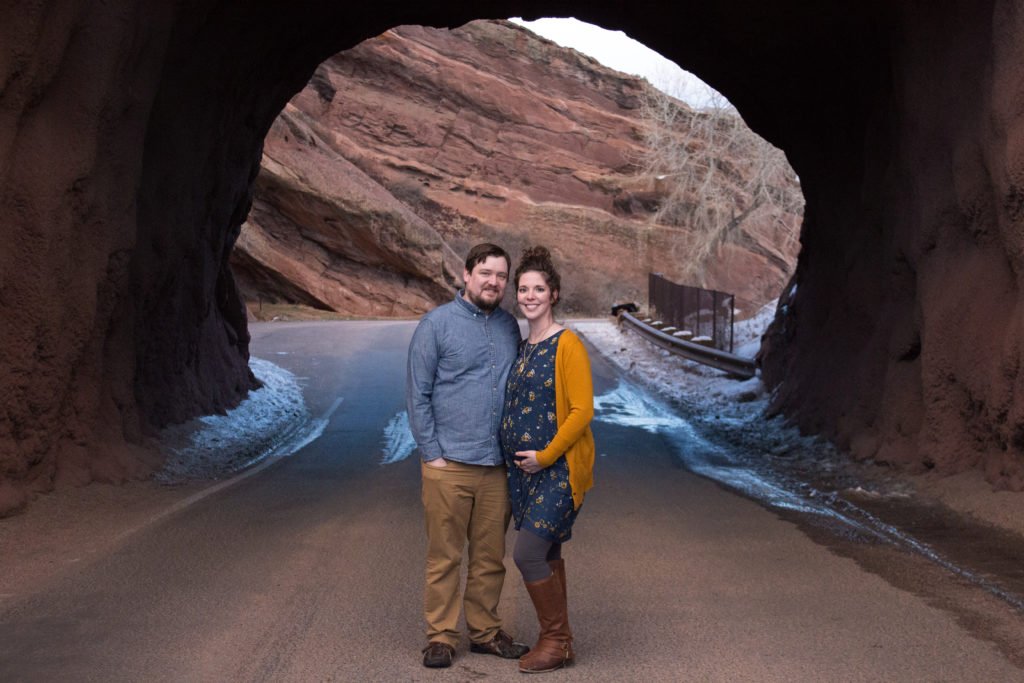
x,y
459,359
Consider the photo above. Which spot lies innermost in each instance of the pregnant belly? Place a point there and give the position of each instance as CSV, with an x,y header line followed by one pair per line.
x,y
523,440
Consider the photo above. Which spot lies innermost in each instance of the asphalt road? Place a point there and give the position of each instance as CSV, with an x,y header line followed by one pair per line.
x,y
311,570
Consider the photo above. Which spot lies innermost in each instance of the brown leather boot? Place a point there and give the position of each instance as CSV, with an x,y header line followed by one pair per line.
x,y
552,649
558,569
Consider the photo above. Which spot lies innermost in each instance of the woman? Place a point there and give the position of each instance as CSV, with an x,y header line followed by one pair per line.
x,y
549,450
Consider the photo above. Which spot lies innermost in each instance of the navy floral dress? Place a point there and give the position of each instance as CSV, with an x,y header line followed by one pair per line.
x,y
541,502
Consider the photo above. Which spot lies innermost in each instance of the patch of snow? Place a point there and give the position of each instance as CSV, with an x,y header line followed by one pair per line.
x,y
719,429
628,406
398,441
750,330
272,420
732,413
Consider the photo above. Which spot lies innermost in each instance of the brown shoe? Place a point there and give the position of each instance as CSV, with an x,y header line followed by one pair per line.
x,y
501,645
437,655
552,650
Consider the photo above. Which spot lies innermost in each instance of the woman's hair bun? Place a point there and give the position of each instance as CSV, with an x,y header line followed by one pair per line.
x,y
535,254
538,259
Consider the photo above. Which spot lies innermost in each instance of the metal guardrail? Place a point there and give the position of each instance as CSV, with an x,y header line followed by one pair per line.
x,y
743,368
705,312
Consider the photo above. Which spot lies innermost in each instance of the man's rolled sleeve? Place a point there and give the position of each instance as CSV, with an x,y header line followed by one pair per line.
x,y
420,373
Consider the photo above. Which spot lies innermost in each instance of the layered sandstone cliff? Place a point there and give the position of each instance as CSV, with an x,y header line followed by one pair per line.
x,y
482,133
324,234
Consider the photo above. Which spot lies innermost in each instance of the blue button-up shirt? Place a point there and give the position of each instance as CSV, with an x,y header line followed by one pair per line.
x,y
459,359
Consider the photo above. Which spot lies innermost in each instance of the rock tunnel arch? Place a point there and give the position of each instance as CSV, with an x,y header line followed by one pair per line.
x,y
131,135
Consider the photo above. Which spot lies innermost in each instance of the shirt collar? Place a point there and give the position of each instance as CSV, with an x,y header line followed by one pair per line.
x,y
468,306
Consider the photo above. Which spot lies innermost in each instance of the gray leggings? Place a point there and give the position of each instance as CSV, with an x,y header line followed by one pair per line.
x,y
532,553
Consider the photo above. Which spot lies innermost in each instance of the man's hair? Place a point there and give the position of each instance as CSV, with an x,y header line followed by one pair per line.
x,y
482,252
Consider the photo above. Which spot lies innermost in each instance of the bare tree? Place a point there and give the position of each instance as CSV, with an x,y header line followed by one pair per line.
x,y
713,174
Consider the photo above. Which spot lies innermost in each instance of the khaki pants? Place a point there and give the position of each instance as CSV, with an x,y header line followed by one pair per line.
x,y
464,503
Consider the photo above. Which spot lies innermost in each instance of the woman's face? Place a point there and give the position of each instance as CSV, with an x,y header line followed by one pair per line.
x,y
534,296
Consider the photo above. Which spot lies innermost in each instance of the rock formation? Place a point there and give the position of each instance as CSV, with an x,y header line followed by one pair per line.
x,y
323,234
903,339
131,136
487,133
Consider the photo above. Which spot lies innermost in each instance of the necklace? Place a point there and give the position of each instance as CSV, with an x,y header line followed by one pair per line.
x,y
542,333
531,348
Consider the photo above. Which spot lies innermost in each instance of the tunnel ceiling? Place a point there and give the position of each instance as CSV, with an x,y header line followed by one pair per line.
x,y
130,135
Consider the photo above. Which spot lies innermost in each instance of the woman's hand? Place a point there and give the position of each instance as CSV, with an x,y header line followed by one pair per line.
x,y
527,462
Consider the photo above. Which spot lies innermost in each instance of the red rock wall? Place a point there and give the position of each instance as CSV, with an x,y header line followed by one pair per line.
x,y
130,137
72,129
488,133
323,234
912,281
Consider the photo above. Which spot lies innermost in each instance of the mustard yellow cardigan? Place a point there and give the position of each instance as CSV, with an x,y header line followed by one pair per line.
x,y
574,409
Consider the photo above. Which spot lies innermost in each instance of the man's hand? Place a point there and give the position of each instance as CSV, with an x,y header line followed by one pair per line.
x,y
527,462
439,463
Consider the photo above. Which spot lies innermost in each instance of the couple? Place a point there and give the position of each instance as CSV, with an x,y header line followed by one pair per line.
x,y
503,430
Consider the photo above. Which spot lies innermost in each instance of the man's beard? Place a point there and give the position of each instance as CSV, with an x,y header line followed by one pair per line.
x,y
484,305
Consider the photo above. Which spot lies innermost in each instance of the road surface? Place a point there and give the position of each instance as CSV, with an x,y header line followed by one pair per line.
x,y
311,570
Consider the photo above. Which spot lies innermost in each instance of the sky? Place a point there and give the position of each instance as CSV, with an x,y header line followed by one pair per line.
x,y
620,52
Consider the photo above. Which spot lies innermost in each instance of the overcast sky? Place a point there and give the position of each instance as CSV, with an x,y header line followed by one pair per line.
x,y
620,52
